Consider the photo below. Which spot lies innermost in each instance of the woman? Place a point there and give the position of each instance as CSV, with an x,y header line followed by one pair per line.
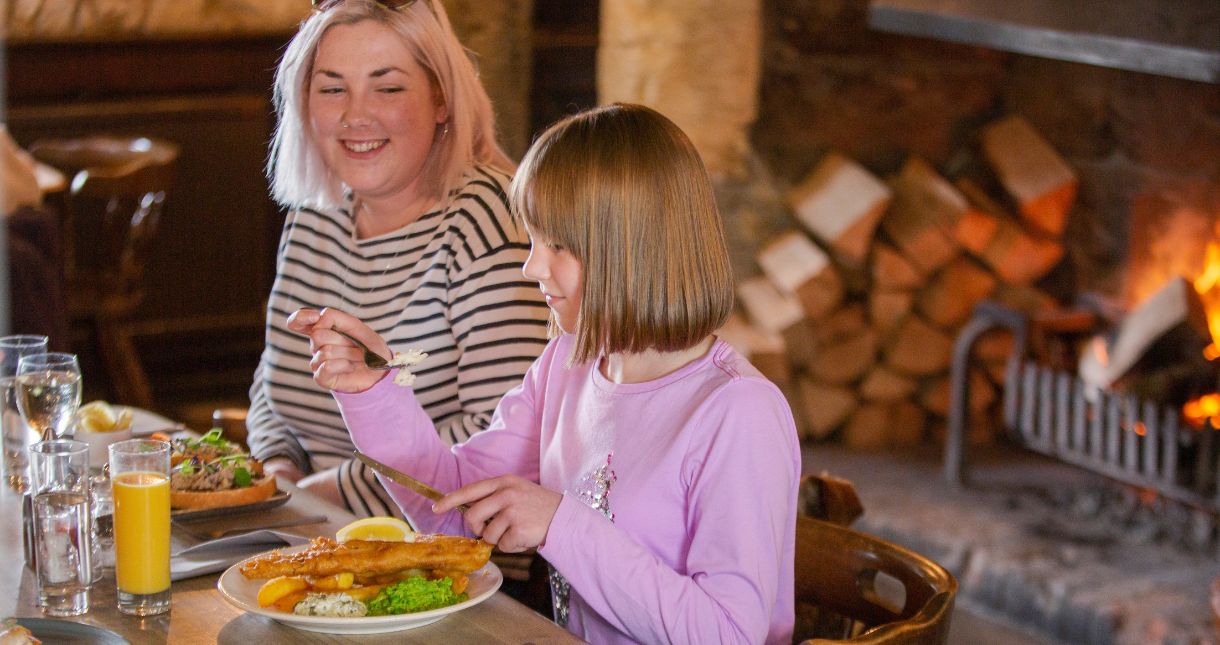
x,y
385,151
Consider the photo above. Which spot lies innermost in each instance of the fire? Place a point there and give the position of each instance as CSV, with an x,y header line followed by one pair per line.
x,y
1206,286
1204,408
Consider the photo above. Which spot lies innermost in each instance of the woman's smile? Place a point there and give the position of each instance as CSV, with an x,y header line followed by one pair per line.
x,y
361,147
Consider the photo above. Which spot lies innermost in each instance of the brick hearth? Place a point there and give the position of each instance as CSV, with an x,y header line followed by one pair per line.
x,y
1076,585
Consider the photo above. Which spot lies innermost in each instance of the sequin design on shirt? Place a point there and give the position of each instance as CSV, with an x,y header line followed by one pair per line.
x,y
594,490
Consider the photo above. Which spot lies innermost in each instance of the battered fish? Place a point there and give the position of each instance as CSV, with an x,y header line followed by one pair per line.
x,y
325,557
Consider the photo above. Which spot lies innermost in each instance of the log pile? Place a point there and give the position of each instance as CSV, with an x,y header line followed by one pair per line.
x,y
859,302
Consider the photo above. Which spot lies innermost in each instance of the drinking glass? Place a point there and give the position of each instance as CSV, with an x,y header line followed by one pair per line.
x,y
17,435
62,529
48,392
139,477
101,508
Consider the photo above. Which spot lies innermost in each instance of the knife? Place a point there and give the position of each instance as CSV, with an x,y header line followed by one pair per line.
x,y
400,477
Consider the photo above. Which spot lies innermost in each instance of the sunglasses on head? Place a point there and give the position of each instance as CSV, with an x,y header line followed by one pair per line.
x,y
323,5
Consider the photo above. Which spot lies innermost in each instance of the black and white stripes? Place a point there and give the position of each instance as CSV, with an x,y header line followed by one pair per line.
x,y
449,284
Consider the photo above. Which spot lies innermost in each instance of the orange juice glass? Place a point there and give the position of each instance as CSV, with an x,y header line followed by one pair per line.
x,y
139,475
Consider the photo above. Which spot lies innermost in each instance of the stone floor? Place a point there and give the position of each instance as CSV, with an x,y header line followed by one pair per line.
x,y
1020,583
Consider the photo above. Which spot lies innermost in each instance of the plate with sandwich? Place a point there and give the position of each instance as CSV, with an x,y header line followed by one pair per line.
x,y
211,476
375,576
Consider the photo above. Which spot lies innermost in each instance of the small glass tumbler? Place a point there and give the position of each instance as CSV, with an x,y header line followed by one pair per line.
x,y
17,434
139,481
62,526
102,512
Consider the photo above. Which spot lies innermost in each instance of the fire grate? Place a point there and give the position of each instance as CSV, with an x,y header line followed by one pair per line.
x,y
1134,441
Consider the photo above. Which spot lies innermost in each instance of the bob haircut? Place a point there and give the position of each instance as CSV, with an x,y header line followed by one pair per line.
x,y
624,190
299,176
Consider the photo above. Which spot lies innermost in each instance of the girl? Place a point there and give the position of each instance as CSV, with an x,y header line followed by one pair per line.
x,y
651,465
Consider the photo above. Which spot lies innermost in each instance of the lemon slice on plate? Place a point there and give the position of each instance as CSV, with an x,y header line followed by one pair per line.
x,y
380,529
97,416
100,416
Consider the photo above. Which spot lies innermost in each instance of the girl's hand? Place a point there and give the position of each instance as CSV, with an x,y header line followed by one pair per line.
x,y
510,512
337,363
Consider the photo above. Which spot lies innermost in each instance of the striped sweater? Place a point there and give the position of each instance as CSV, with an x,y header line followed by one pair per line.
x,y
449,284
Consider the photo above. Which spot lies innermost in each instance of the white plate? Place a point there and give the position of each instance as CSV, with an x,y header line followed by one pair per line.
x,y
242,593
144,422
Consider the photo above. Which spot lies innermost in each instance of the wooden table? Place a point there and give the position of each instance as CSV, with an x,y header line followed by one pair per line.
x,y
200,615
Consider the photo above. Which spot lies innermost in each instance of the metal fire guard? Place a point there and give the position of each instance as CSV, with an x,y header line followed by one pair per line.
x,y
1134,441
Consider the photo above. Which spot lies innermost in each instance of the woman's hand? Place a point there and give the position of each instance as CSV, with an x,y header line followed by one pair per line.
x,y
283,468
510,512
337,363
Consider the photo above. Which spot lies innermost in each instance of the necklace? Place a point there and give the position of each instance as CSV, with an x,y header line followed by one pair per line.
x,y
346,295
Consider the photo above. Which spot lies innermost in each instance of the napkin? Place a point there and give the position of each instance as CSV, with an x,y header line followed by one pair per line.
x,y
222,553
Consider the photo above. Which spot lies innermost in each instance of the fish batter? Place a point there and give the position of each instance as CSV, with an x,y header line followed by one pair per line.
x,y
325,557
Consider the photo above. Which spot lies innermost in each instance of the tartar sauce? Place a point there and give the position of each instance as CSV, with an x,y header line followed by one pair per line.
x,y
330,604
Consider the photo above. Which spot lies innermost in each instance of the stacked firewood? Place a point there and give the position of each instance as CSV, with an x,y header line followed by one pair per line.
x,y
856,310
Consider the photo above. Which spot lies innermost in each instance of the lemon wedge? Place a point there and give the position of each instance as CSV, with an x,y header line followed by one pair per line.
x,y
96,416
99,416
380,529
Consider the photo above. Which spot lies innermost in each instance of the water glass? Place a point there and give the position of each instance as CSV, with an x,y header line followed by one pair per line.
x,y
101,508
62,527
139,480
17,435
49,392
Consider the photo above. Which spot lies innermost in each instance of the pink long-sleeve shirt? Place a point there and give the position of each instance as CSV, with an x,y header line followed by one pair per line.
x,y
679,494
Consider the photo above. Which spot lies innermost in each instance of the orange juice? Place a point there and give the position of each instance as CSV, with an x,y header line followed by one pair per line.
x,y
141,532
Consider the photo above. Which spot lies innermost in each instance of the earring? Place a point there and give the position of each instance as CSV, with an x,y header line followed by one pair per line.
x,y
445,131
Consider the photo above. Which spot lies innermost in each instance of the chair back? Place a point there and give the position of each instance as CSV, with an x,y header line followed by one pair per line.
x,y
115,200
875,591
114,203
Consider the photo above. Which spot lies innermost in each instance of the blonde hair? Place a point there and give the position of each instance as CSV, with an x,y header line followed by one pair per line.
x,y
623,189
299,175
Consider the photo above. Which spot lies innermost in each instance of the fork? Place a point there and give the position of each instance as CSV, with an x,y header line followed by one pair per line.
x,y
372,360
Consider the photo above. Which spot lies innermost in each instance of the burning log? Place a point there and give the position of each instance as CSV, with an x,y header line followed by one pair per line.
x,y
796,265
840,203
1168,331
1040,181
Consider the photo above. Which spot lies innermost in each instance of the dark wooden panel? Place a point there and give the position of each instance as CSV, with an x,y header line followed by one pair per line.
x,y
39,72
213,266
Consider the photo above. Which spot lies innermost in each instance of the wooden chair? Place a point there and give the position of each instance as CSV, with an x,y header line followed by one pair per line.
x,y
856,588
116,196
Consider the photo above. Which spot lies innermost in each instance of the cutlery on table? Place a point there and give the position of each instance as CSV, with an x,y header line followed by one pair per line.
x,y
277,524
372,360
400,477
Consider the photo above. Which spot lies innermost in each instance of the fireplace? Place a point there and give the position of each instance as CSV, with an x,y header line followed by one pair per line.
x,y
876,127
855,315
